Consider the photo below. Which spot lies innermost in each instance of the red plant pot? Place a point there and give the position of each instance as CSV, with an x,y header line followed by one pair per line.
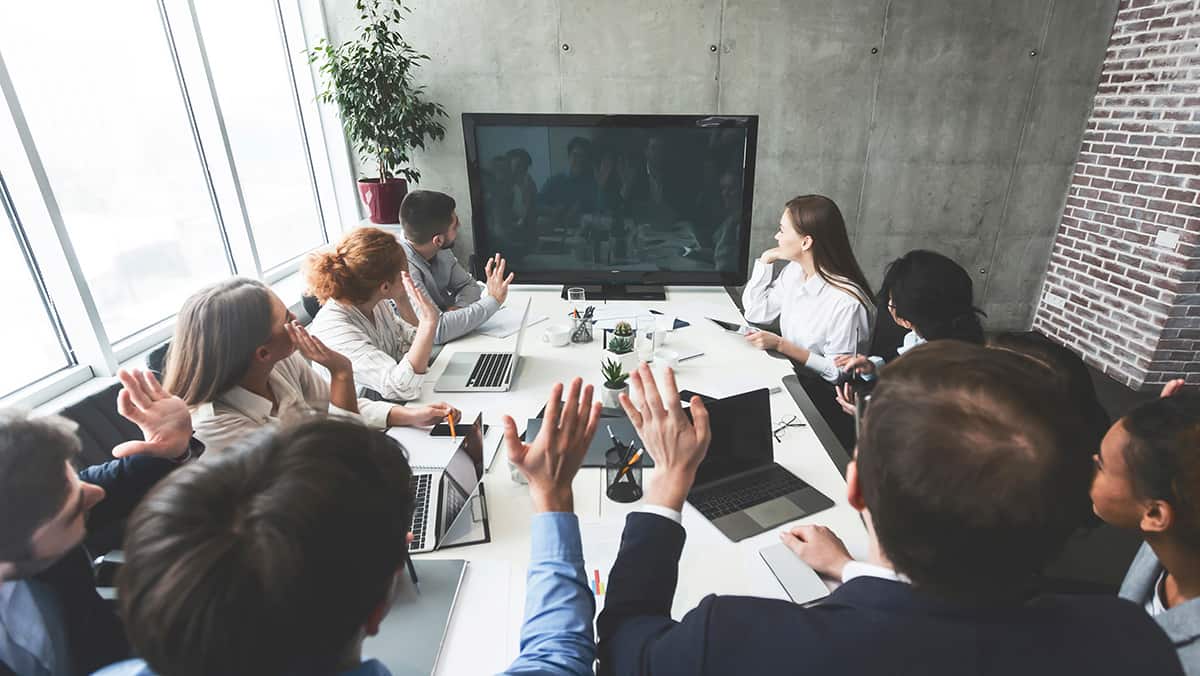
x,y
383,199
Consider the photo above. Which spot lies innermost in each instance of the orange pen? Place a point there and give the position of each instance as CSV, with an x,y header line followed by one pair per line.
x,y
450,419
628,465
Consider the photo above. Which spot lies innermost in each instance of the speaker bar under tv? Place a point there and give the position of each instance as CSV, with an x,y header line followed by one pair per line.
x,y
619,204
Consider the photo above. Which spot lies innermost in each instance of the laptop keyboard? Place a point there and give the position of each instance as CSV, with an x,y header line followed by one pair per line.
x,y
419,485
746,491
490,370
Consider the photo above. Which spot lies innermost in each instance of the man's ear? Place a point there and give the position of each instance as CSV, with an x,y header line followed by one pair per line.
x,y
438,240
853,489
380,611
1158,516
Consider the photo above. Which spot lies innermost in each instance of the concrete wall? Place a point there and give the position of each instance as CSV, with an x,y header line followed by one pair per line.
x,y
947,124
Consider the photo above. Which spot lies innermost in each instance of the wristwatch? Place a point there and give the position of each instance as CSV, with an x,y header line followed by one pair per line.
x,y
194,450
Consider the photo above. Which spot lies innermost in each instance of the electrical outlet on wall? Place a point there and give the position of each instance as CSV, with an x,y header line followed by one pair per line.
x,y
1167,239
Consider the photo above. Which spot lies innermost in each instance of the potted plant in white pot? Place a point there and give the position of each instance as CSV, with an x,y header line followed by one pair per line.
x,y
614,383
384,113
619,343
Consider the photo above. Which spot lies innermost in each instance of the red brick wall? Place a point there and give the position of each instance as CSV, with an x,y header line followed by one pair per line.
x,y
1123,283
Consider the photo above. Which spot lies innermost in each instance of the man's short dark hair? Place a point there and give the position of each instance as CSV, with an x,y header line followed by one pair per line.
x,y
270,557
1163,457
965,462
33,478
425,214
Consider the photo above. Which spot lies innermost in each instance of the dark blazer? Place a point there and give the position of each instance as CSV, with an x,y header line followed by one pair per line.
x,y
868,626
94,630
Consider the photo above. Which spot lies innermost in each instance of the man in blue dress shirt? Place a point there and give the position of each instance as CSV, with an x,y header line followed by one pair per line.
x,y
283,554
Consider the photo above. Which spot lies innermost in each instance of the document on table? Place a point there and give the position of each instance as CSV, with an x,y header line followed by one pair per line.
x,y
506,322
432,453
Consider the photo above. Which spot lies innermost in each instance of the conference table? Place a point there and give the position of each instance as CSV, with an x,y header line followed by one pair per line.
x,y
484,629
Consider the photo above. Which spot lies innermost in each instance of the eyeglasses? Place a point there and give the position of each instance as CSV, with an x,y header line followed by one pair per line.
x,y
779,429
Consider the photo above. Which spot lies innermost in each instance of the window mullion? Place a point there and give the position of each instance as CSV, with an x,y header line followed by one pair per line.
x,y
82,320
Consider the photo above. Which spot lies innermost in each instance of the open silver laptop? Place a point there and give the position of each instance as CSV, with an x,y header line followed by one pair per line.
x,y
483,371
441,498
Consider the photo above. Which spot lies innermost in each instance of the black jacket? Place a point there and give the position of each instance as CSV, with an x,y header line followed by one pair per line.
x,y
868,626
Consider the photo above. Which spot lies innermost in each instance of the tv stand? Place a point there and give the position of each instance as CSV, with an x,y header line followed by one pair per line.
x,y
619,291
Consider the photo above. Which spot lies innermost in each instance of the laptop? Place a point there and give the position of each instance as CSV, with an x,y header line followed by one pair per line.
x,y
483,372
739,487
441,497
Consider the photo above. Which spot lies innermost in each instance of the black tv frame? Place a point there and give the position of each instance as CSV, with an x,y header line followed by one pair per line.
x,y
613,284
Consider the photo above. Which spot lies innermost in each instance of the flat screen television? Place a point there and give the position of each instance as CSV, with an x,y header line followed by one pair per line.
x,y
618,204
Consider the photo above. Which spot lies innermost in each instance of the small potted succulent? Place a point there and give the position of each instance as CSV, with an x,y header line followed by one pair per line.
x,y
614,383
619,343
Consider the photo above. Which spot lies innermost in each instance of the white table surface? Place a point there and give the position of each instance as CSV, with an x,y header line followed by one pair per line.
x,y
476,640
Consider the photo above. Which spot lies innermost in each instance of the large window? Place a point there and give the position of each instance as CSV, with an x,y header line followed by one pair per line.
x,y
259,108
152,147
33,347
113,133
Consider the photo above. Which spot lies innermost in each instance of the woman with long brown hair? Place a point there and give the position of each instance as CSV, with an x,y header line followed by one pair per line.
x,y
372,312
240,360
821,298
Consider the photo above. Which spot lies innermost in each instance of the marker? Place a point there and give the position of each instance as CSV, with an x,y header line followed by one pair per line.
x,y
450,419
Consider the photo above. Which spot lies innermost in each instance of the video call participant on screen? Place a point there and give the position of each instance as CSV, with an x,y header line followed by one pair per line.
x,y
567,195
1148,480
241,361
963,459
430,230
285,553
52,621
362,284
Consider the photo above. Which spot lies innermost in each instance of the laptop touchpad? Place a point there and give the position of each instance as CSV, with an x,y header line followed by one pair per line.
x,y
458,367
773,512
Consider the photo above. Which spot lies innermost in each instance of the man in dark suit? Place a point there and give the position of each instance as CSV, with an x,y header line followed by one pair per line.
x,y
963,465
52,620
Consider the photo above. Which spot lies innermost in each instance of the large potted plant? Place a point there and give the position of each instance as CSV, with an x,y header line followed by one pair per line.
x,y
385,115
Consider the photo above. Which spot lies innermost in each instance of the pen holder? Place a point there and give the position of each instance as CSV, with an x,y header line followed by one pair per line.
x,y
581,329
624,485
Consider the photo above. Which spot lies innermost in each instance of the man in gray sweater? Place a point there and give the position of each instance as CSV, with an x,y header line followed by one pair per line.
x,y
430,230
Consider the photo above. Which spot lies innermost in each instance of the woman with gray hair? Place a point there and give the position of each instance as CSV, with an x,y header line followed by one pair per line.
x,y
241,361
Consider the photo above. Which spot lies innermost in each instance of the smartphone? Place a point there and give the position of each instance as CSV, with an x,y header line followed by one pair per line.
x,y
741,329
686,395
443,429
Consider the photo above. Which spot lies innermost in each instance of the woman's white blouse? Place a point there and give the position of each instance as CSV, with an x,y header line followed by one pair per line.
x,y
812,313
299,393
375,348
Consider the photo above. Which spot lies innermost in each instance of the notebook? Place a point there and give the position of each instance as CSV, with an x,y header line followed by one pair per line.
x,y
410,637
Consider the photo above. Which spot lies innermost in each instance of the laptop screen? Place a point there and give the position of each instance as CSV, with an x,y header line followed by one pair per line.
x,y
741,436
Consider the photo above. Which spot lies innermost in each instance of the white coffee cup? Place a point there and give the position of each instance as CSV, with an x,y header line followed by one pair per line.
x,y
557,335
666,358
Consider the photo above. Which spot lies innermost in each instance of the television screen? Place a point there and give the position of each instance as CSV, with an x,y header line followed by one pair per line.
x,y
615,198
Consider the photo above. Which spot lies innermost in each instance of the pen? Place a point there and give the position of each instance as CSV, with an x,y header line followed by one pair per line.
x,y
628,466
412,572
691,356
450,419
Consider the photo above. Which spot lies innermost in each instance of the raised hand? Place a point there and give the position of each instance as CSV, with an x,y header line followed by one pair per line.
x,y
551,461
817,546
1172,388
164,419
497,283
420,301
677,444
314,350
